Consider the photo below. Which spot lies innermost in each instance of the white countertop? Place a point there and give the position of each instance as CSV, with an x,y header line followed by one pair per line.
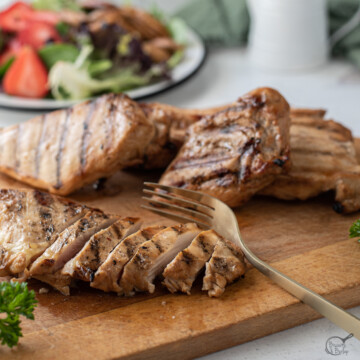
x,y
225,76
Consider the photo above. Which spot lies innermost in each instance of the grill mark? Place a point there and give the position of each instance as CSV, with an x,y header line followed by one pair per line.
x,y
61,148
86,133
110,121
159,247
191,162
17,142
250,149
219,264
209,157
247,150
38,149
95,250
324,125
229,125
316,152
43,198
219,175
139,261
187,257
243,103
203,244
129,249
117,231
149,233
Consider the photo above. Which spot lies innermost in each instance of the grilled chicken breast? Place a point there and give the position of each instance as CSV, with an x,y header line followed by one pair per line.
x,y
180,274
225,266
66,149
108,275
153,255
30,221
84,265
70,242
323,158
171,124
236,152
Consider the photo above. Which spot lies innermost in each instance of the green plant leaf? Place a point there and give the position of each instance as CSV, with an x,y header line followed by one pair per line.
x,y
52,53
354,231
15,300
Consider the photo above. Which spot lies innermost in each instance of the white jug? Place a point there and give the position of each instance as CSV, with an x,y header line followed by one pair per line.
x,y
290,34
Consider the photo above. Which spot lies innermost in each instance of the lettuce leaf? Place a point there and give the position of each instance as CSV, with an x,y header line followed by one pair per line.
x,y
56,5
52,53
4,67
72,80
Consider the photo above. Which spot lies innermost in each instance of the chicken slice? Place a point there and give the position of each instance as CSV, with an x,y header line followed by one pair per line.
x,y
70,241
180,274
30,221
108,275
153,255
58,281
93,139
236,152
96,250
225,266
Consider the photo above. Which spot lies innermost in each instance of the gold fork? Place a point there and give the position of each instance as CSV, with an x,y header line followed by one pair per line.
x,y
209,212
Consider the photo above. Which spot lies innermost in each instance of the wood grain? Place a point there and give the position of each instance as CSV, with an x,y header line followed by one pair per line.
x,y
305,240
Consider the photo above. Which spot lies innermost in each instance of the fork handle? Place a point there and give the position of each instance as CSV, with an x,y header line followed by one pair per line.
x,y
334,313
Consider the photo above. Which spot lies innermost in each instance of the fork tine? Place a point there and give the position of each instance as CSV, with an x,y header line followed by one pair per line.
x,y
170,206
194,195
180,201
175,217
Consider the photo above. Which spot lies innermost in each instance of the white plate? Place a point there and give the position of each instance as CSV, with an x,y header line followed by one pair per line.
x,y
193,58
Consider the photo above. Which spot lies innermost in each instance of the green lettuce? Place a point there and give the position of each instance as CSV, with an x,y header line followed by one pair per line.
x,y
56,5
52,53
73,80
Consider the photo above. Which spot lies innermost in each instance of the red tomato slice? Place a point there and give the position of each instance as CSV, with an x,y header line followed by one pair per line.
x,y
15,17
27,76
37,34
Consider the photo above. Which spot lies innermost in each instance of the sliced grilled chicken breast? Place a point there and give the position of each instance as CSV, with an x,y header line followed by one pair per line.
x,y
70,242
323,158
30,221
225,266
108,275
84,265
57,280
180,274
66,149
236,152
153,255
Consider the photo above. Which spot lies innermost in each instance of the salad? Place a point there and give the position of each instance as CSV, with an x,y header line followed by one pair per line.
x,y
64,49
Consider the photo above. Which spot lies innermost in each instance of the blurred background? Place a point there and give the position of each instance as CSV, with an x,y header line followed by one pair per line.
x,y
285,44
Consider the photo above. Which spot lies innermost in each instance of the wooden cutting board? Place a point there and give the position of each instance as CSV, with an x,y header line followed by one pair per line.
x,y
306,240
